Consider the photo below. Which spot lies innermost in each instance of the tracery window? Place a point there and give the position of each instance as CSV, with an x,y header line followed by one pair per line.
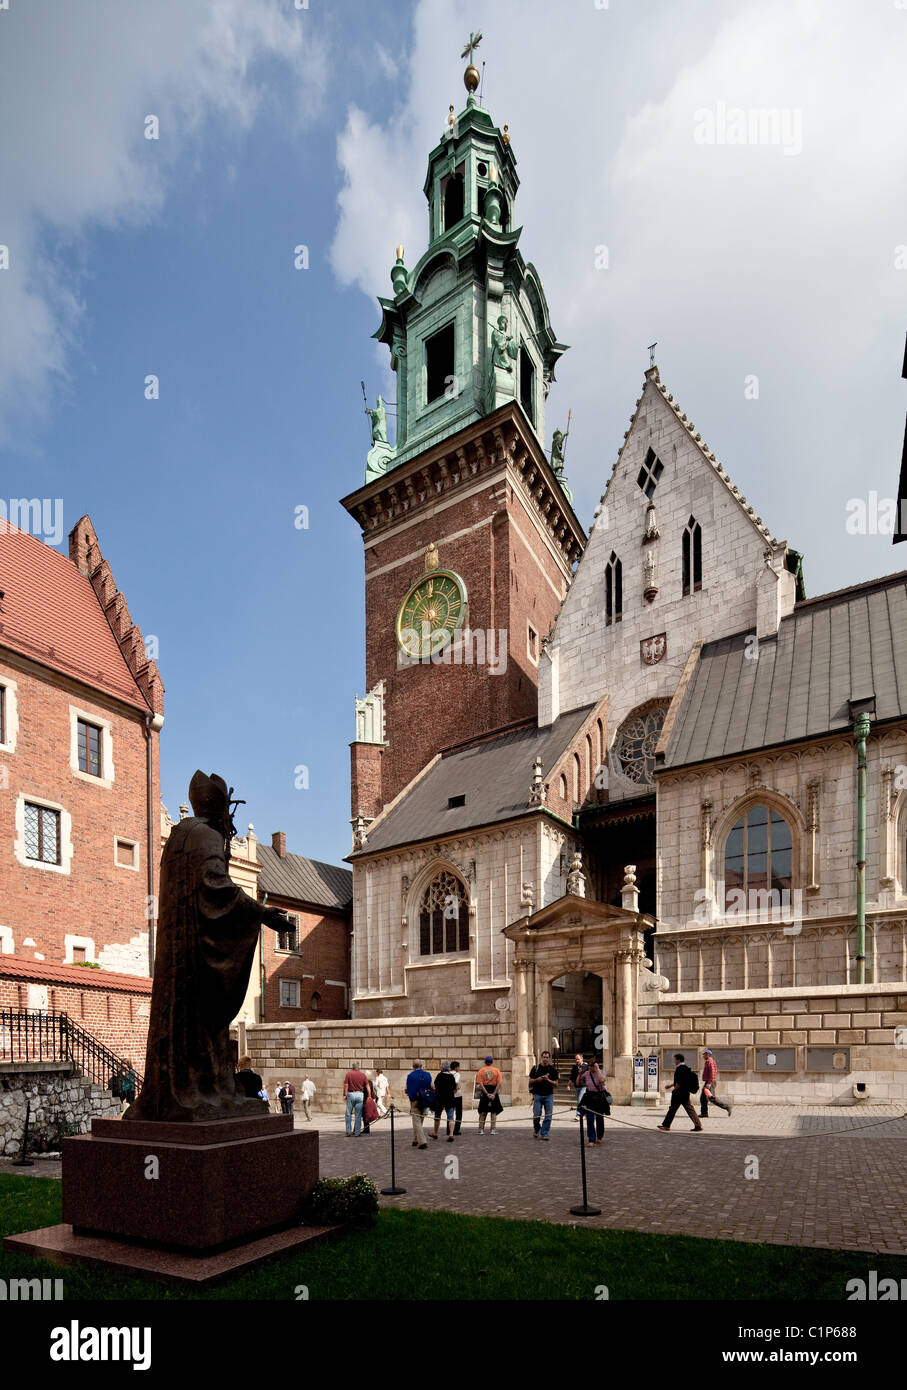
x,y
614,591
692,557
634,746
444,916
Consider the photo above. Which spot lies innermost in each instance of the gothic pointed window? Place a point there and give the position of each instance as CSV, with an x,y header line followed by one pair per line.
x,y
614,591
649,474
444,916
692,557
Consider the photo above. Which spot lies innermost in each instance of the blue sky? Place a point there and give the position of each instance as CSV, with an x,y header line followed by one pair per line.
x,y
280,127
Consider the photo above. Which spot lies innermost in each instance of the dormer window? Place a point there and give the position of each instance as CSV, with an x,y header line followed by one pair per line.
x,y
649,474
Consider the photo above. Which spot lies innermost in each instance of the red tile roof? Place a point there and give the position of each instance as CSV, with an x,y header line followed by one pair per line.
x,y
83,977
51,613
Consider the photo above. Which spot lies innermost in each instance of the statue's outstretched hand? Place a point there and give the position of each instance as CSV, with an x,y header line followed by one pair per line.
x,y
276,918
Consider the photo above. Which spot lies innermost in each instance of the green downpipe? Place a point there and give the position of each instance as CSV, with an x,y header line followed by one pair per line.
x,y
861,733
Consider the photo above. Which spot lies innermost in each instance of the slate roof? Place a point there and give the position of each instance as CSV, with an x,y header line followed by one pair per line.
x,y
840,646
51,613
494,775
304,880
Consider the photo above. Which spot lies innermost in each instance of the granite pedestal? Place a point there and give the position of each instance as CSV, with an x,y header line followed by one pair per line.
x,y
213,1196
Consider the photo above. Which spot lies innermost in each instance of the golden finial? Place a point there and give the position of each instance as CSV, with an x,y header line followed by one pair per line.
x,y
400,252
450,116
506,134
471,76
432,559
492,173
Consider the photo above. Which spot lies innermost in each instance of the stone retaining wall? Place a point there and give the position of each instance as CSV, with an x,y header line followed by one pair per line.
x,y
56,1096
866,1025
327,1049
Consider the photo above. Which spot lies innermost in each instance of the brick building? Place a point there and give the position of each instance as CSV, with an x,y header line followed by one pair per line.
x,y
81,708
113,1008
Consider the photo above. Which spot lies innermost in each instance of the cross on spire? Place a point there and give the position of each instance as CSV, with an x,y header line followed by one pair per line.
x,y
472,45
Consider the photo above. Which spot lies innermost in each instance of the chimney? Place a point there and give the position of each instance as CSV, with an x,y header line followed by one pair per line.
x,y
279,843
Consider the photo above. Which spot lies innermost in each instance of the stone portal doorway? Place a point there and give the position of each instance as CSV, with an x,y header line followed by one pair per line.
x,y
576,1015
574,936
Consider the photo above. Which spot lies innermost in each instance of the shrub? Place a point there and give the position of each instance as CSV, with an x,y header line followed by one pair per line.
x,y
335,1200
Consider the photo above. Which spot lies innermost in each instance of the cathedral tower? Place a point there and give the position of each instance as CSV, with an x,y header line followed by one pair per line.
x,y
469,533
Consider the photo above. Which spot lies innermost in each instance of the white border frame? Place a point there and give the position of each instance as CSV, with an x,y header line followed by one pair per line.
x,y
66,849
108,775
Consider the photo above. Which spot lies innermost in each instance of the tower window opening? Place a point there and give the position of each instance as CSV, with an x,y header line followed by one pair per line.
x,y
439,362
527,383
454,202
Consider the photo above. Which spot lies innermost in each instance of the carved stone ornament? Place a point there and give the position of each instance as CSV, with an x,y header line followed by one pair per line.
x,y
652,649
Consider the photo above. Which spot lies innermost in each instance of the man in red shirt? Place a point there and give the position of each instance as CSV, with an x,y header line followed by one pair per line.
x,y
709,1082
354,1084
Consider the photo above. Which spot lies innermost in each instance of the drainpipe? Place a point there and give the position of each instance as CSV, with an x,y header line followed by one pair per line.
x,y
261,966
861,733
153,724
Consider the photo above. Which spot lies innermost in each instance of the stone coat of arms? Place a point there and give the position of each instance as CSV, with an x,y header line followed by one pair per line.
x,y
652,649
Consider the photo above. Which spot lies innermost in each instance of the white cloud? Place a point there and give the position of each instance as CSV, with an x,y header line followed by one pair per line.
x,y
739,259
78,81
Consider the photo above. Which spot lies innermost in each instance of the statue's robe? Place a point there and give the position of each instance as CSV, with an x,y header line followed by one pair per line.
x,y
207,935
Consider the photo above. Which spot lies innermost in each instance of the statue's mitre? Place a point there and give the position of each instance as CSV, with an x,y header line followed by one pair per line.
x,y
207,793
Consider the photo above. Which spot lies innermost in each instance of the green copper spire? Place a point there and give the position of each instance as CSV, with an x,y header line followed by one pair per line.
x,y
468,326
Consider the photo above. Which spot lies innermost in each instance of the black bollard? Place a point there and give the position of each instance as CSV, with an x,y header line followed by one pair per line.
x,y
585,1209
22,1161
393,1190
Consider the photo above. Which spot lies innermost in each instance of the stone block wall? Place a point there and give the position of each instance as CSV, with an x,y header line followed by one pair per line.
x,y
55,1095
326,1050
866,1024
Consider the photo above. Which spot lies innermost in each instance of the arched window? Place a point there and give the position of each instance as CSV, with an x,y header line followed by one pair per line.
x,y
444,916
758,859
454,206
563,786
692,557
636,741
315,1002
590,761
601,742
576,778
614,591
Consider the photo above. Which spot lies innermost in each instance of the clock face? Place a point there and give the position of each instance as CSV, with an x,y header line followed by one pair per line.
x,y
431,612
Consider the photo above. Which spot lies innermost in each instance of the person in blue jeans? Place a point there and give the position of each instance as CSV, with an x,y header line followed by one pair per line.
x,y
354,1084
542,1080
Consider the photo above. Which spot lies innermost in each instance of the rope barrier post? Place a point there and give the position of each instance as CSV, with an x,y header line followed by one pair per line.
x,y
585,1209
393,1190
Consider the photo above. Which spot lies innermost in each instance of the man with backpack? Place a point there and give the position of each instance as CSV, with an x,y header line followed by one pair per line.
x,y
686,1084
421,1096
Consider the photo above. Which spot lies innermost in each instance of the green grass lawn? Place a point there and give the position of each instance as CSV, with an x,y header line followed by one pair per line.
x,y
438,1255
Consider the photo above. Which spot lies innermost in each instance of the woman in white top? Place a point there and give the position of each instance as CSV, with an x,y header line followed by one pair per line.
x,y
382,1092
458,1098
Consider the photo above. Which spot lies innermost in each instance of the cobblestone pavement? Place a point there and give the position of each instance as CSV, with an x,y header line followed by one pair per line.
x,y
828,1176
822,1180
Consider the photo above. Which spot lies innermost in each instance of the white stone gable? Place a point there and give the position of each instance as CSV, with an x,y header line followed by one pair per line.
x,y
587,657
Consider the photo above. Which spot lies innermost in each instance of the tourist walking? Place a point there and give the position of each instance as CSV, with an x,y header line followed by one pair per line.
x,y
288,1097
354,1095
596,1102
421,1097
445,1087
576,1076
686,1084
488,1083
458,1098
383,1093
542,1080
709,1086
127,1083
307,1095
369,1108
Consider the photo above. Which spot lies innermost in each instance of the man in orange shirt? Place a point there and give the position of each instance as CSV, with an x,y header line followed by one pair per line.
x,y
488,1082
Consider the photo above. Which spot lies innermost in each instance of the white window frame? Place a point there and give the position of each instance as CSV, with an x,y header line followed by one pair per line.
x,y
106,727
121,840
530,633
7,942
66,849
86,942
288,983
11,714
